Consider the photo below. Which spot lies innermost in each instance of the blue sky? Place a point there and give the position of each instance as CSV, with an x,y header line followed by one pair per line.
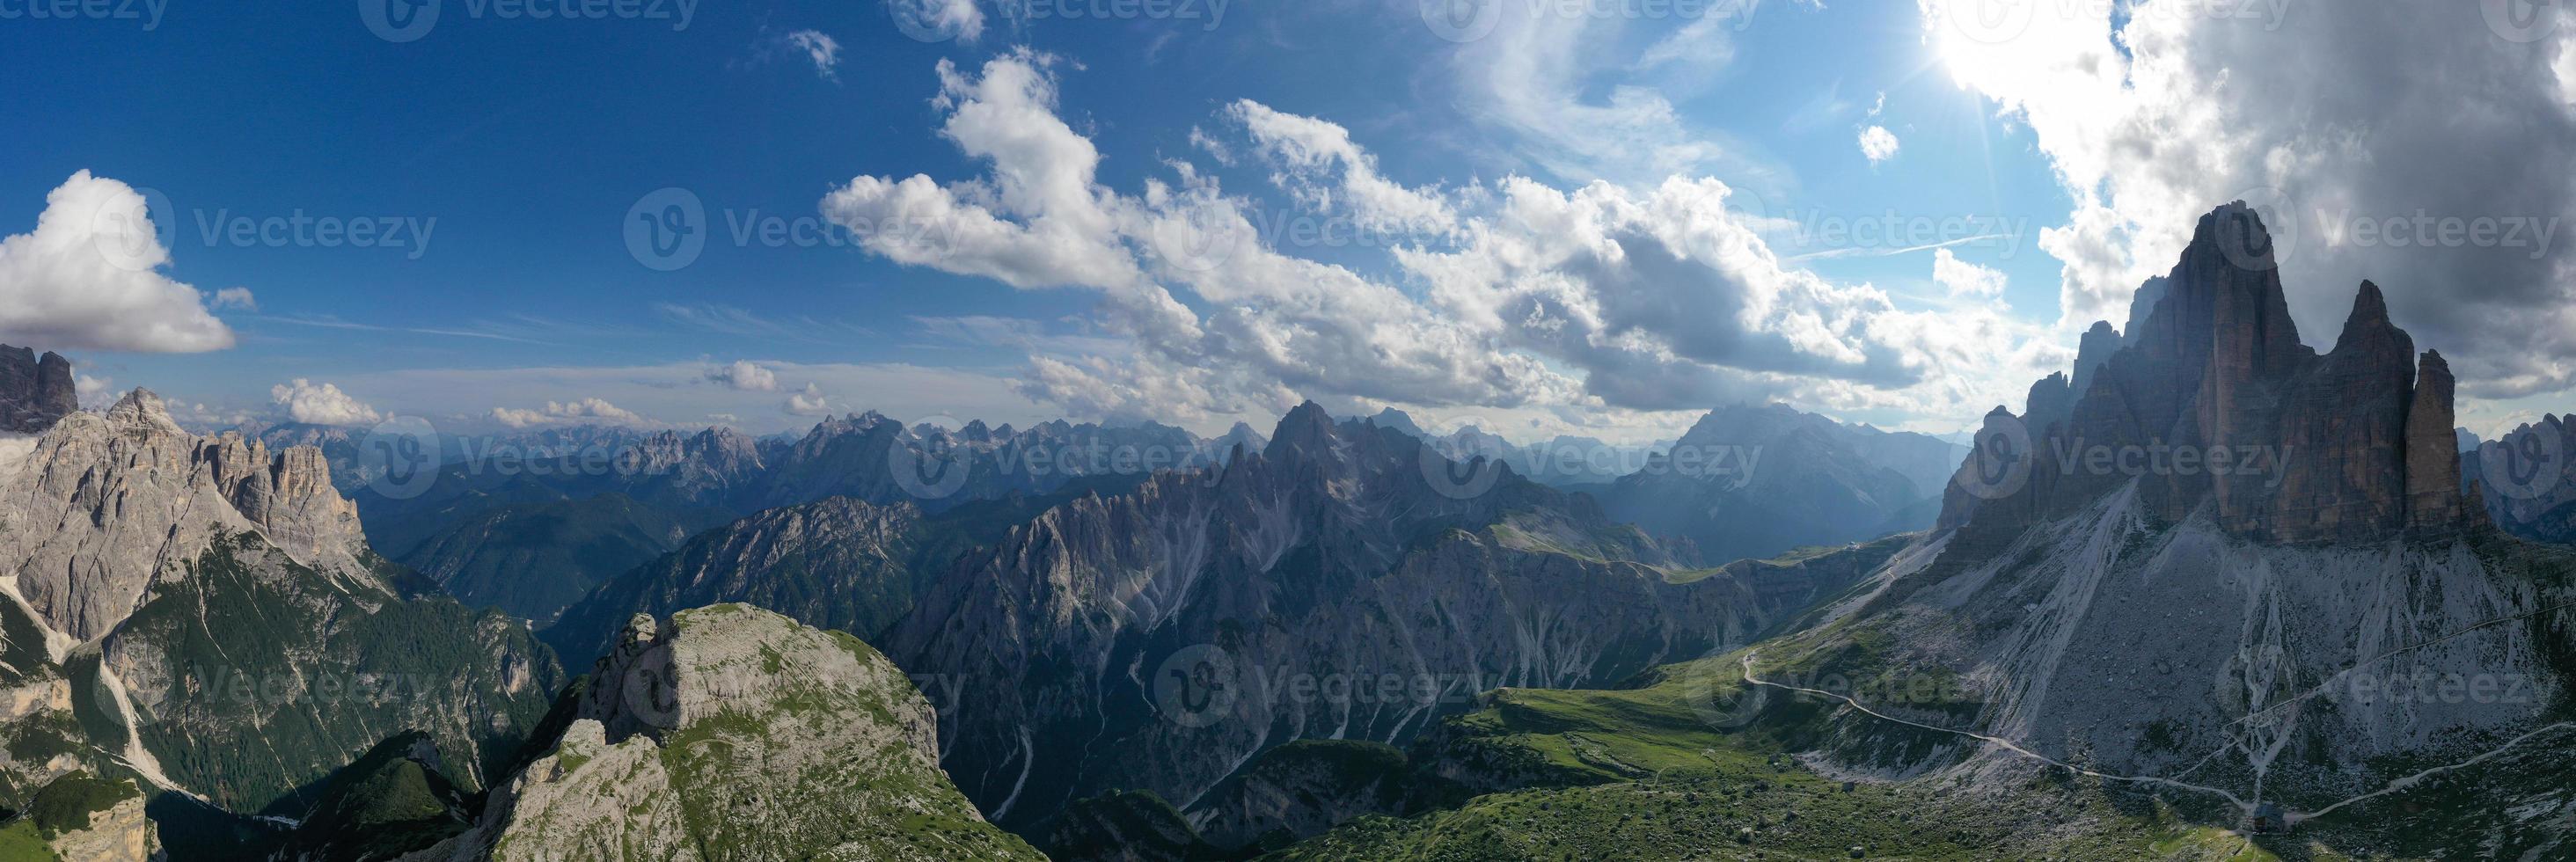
x,y
518,148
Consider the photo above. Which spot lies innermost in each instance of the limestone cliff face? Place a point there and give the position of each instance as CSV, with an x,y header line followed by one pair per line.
x,y
119,834
2257,632
2433,498
220,626
34,393
2317,449
105,504
2345,427
730,732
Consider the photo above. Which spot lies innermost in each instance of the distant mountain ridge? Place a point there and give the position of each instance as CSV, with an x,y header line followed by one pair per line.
x,y
595,512
2526,481
1751,482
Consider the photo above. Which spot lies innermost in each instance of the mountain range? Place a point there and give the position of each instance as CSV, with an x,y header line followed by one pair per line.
x,y
2207,586
201,615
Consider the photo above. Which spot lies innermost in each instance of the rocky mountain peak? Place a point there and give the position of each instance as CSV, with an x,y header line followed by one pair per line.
x,y
34,392
1398,420
2369,319
2433,499
2309,448
138,497
142,411
734,727
2094,349
1306,429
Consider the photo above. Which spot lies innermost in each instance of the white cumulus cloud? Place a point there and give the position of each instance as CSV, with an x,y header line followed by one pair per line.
x,y
1318,165
1963,279
744,375
1600,297
90,277
822,49
808,403
1878,144
235,298
321,404
586,411
2152,123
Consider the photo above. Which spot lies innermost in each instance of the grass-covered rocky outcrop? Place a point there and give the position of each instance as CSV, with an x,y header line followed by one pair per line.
x,y
729,732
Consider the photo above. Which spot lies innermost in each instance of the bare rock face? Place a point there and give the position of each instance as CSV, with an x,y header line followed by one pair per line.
x,y
2433,499
735,728
34,393
105,504
2096,348
2211,401
2252,630
119,834
2346,427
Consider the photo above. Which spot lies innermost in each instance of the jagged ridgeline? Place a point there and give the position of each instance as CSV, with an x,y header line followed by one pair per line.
x,y
1336,551
597,505
2217,569
200,615
2092,657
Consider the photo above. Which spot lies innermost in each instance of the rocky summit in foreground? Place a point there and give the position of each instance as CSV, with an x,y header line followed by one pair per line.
x,y
730,732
